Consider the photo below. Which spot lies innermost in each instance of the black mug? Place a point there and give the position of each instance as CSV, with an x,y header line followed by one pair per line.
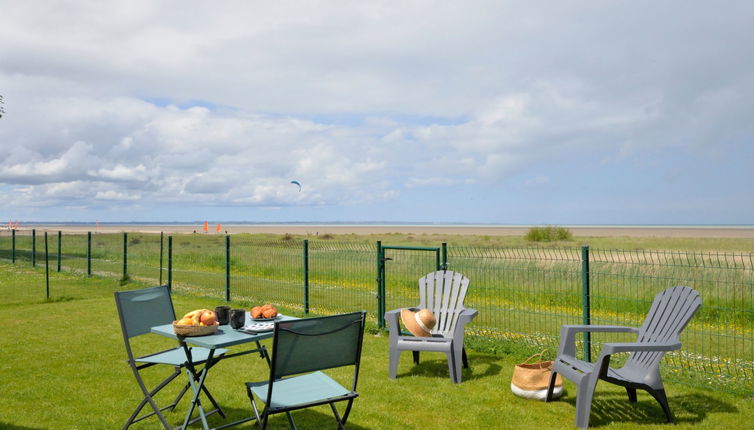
x,y
223,314
237,318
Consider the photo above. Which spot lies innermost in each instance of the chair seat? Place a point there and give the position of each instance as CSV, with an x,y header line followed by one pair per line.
x,y
300,390
575,369
177,356
435,343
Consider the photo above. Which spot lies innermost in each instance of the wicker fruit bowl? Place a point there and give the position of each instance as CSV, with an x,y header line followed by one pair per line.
x,y
194,330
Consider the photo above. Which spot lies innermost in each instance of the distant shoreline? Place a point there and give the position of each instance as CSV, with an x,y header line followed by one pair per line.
x,y
698,231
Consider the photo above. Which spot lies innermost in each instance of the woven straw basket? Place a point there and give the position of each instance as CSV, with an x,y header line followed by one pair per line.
x,y
534,376
194,330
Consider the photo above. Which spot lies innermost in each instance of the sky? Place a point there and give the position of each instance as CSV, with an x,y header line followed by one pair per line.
x,y
490,112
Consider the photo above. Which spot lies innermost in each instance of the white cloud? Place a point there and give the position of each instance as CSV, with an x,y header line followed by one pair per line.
x,y
115,195
224,105
122,173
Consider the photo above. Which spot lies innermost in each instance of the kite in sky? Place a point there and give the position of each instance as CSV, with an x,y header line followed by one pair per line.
x,y
297,183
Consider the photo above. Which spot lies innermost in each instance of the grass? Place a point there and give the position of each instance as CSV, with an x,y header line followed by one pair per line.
x,y
64,367
548,234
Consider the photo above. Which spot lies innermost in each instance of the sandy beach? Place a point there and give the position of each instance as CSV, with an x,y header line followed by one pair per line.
x,y
476,230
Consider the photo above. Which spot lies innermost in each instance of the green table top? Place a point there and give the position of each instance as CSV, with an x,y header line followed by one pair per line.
x,y
225,336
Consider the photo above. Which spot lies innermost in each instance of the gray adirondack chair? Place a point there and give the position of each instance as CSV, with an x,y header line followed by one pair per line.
x,y
670,312
442,292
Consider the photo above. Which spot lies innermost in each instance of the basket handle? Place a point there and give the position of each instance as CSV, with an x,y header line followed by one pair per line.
x,y
539,354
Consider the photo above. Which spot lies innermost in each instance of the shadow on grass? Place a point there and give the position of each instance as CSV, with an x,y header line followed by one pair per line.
x,y
6,426
311,418
480,366
687,408
59,299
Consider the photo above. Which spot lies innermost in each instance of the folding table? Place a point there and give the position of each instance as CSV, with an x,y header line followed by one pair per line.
x,y
225,337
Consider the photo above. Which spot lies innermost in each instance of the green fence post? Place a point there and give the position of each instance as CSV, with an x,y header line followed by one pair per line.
x,y
125,255
586,301
13,246
47,268
170,263
380,285
306,276
88,253
60,247
33,247
444,256
162,246
227,267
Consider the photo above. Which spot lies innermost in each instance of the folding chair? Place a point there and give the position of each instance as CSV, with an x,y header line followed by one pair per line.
x,y
139,311
304,348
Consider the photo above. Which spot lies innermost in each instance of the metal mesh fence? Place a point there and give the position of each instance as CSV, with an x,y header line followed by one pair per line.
x,y
24,247
198,263
522,294
718,344
107,254
269,271
73,256
402,272
342,277
6,245
144,257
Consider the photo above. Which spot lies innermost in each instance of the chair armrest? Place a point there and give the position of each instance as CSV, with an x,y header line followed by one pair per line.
x,y
614,348
598,328
391,317
464,318
467,315
608,349
568,335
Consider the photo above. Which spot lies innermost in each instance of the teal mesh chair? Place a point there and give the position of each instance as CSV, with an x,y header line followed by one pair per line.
x,y
139,311
301,349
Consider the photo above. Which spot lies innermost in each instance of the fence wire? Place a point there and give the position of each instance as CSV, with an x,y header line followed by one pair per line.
x,y
269,271
718,344
522,294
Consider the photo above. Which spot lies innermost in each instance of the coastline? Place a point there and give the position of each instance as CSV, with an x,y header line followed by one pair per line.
x,y
741,232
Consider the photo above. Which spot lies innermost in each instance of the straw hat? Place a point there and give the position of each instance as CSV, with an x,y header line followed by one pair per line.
x,y
419,323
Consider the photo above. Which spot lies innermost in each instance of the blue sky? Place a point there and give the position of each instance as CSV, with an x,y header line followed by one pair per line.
x,y
584,112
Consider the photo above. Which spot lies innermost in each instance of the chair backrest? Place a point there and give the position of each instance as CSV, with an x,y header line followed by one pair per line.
x,y
671,311
311,344
443,293
140,310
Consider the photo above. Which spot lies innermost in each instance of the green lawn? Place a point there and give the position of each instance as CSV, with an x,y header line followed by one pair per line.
x,y
64,367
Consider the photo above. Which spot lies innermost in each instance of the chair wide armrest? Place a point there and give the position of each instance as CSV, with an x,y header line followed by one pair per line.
x,y
614,348
464,318
467,315
391,317
598,328
568,335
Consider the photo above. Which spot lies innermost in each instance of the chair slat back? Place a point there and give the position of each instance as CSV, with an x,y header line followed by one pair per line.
x,y
443,292
670,313
311,344
140,310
